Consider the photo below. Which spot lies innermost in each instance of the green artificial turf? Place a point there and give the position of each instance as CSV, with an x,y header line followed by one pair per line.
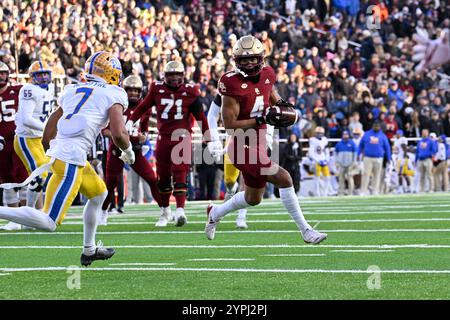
x,y
406,238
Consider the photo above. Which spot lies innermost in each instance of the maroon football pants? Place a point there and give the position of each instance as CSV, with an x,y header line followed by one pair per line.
x,y
173,160
12,169
114,169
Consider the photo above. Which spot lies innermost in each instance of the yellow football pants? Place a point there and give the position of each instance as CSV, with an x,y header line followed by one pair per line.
x,y
230,172
64,184
324,171
31,152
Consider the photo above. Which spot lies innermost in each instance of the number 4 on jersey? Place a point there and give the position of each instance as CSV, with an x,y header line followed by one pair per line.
x,y
258,107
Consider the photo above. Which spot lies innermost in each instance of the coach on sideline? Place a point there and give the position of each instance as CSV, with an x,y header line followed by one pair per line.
x,y
426,150
375,147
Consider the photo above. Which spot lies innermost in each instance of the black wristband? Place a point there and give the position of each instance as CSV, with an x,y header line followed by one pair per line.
x,y
260,120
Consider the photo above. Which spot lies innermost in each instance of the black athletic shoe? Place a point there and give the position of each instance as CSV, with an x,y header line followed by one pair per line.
x,y
101,253
120,210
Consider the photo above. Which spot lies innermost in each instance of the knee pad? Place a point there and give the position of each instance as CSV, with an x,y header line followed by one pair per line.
x,y
36,184
10,196
180,188
164,188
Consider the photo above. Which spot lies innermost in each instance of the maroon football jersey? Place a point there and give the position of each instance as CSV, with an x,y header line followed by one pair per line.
x,y
9,104
253,97
172,106
141,126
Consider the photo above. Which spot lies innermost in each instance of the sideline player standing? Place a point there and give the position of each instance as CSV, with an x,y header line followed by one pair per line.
x,y
176,102
247,92
11,168
84,110
35,104
114,166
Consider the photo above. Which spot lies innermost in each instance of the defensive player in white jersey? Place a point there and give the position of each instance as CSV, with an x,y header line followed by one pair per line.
x,y
84,110
401,143
36,101
320,155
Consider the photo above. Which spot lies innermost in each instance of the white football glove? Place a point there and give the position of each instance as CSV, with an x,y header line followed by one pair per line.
x,y
216,149
2,143
127,155
430,52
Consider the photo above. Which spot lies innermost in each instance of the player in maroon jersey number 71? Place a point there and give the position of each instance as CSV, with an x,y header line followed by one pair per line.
x,y
11,168
177,104
248,95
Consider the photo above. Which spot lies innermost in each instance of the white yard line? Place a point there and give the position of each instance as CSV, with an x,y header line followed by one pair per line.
x,y
222,259
142,264
362,251
5,274
239,270
295,255
132,222
225,232
255,246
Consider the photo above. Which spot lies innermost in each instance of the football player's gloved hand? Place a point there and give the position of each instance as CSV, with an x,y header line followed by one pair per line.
x,y
127,155
282,114
2,143
323,163
216,149
36,184
430,52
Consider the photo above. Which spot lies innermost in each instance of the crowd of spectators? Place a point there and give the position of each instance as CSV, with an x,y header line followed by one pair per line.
x,y
342,63
335,60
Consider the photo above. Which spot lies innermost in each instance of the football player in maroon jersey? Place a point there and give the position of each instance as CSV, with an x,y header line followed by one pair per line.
x,y
247,93
11,168
114,166
177,105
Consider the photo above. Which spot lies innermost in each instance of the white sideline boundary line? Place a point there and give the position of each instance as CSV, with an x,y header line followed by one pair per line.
x,y
256,246
224,232
242,270
5,274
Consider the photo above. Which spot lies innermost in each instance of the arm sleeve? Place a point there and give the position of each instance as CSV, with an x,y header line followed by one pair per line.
x,y
26,109
270,129
213,118
145,105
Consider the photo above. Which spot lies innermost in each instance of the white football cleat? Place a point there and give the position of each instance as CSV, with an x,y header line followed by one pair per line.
x,y
166,216
11,226
210,228
241,223
103,218
231,192
314,237
180,218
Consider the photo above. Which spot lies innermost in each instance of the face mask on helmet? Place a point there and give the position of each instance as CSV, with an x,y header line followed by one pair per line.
x,y
174,79
4,75
134,94
250,65
42,79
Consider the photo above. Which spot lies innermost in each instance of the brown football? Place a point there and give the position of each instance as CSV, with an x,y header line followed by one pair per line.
x,y
282,116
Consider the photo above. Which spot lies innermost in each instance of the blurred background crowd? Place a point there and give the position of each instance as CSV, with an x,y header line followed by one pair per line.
x,y
342,63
